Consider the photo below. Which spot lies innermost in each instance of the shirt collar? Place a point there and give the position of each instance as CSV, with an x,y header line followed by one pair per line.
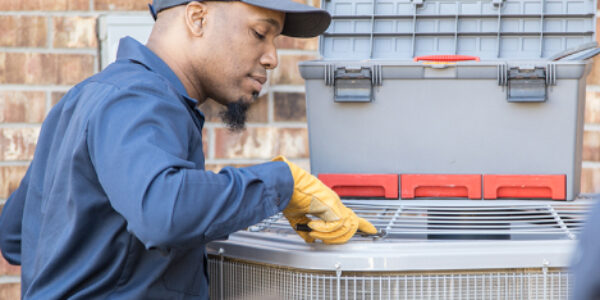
x,y
133,50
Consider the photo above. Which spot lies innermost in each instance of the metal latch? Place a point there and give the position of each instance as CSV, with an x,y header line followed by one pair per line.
x,y
526,83
353,83
497,3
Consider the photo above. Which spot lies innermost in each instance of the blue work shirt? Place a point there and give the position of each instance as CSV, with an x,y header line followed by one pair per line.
x,y
116,203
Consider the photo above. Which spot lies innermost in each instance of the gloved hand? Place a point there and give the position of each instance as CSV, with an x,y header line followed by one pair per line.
x,y
337,223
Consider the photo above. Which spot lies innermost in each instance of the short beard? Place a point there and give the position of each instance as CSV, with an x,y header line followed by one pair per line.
x,y
234,116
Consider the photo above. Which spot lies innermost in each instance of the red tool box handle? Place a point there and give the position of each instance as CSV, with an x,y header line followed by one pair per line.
x,y
446,58
524,186
441,185
362,185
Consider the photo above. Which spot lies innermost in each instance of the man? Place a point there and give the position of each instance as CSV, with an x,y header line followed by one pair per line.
x,y
116,203
586,258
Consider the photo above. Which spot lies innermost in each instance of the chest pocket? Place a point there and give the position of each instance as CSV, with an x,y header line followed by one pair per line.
x,y
186,272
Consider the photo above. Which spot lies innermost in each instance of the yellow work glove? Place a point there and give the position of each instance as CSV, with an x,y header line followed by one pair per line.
x,y
337,223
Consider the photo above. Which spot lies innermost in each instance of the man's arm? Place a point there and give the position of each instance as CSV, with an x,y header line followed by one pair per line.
x,y
139,145
10,223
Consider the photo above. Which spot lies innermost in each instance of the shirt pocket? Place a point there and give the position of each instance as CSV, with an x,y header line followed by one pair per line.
x,y
185,273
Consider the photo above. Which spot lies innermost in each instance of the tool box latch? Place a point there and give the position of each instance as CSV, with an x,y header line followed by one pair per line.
x,y
527,83
497,3
355,83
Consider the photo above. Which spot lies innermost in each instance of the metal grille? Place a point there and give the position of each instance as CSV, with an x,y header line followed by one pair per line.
x,y
232,279
417,221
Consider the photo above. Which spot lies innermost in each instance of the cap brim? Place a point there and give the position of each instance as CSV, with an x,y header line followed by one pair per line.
x,y
300,20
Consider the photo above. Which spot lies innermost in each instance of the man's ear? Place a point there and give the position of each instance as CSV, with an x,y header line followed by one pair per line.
x,y
195,13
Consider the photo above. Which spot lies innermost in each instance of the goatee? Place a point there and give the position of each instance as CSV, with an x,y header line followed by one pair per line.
x,y
234,116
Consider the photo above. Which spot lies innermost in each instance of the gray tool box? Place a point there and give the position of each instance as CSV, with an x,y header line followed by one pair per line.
x,y
503,121
451,99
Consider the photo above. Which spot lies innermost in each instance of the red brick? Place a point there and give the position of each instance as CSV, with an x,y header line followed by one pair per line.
x,y
594,76
289,107
18,143
13,5
261,143
592,107
293,142
121,4
22,106
45,68
217,167
10,178
56,96
286,42
591,146
8,269
315,3
250,143
205,143
10,291
213,167
211,110
73,68
256,114
22,31
75,32
259,110
597,25
287,72
590,180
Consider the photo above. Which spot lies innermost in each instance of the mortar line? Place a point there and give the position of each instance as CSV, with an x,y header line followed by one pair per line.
x,y
276,125
25,87
48,103
288,88
591,127
72,13
15,163
590,164
82,51
270,108
49,31
10,279
211,142
298,52
19,125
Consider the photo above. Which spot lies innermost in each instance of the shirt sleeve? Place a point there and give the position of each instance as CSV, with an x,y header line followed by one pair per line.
x,y
139,141
10,223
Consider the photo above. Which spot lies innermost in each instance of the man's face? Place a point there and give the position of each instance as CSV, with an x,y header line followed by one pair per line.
x,y
240,49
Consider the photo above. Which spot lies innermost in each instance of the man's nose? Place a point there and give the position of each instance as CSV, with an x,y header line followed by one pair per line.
x,y
269,58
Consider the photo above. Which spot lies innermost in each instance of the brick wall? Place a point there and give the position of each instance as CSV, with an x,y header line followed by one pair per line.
x,y
46,46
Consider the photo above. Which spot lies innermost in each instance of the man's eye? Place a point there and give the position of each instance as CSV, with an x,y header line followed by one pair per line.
x,y
259,36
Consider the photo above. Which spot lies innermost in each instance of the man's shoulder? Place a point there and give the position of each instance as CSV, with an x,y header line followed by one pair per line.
x,y
126,85
126,75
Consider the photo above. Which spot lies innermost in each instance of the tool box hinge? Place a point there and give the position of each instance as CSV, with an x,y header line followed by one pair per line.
x,y
353,83
526,83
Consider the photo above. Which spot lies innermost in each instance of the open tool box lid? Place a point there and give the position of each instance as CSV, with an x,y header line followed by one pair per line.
x,y
488,29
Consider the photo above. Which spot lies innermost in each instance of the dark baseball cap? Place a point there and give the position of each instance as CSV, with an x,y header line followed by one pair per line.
x,y
300,20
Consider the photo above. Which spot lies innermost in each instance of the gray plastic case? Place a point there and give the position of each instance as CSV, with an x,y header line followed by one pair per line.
x,y
403,29
372,109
